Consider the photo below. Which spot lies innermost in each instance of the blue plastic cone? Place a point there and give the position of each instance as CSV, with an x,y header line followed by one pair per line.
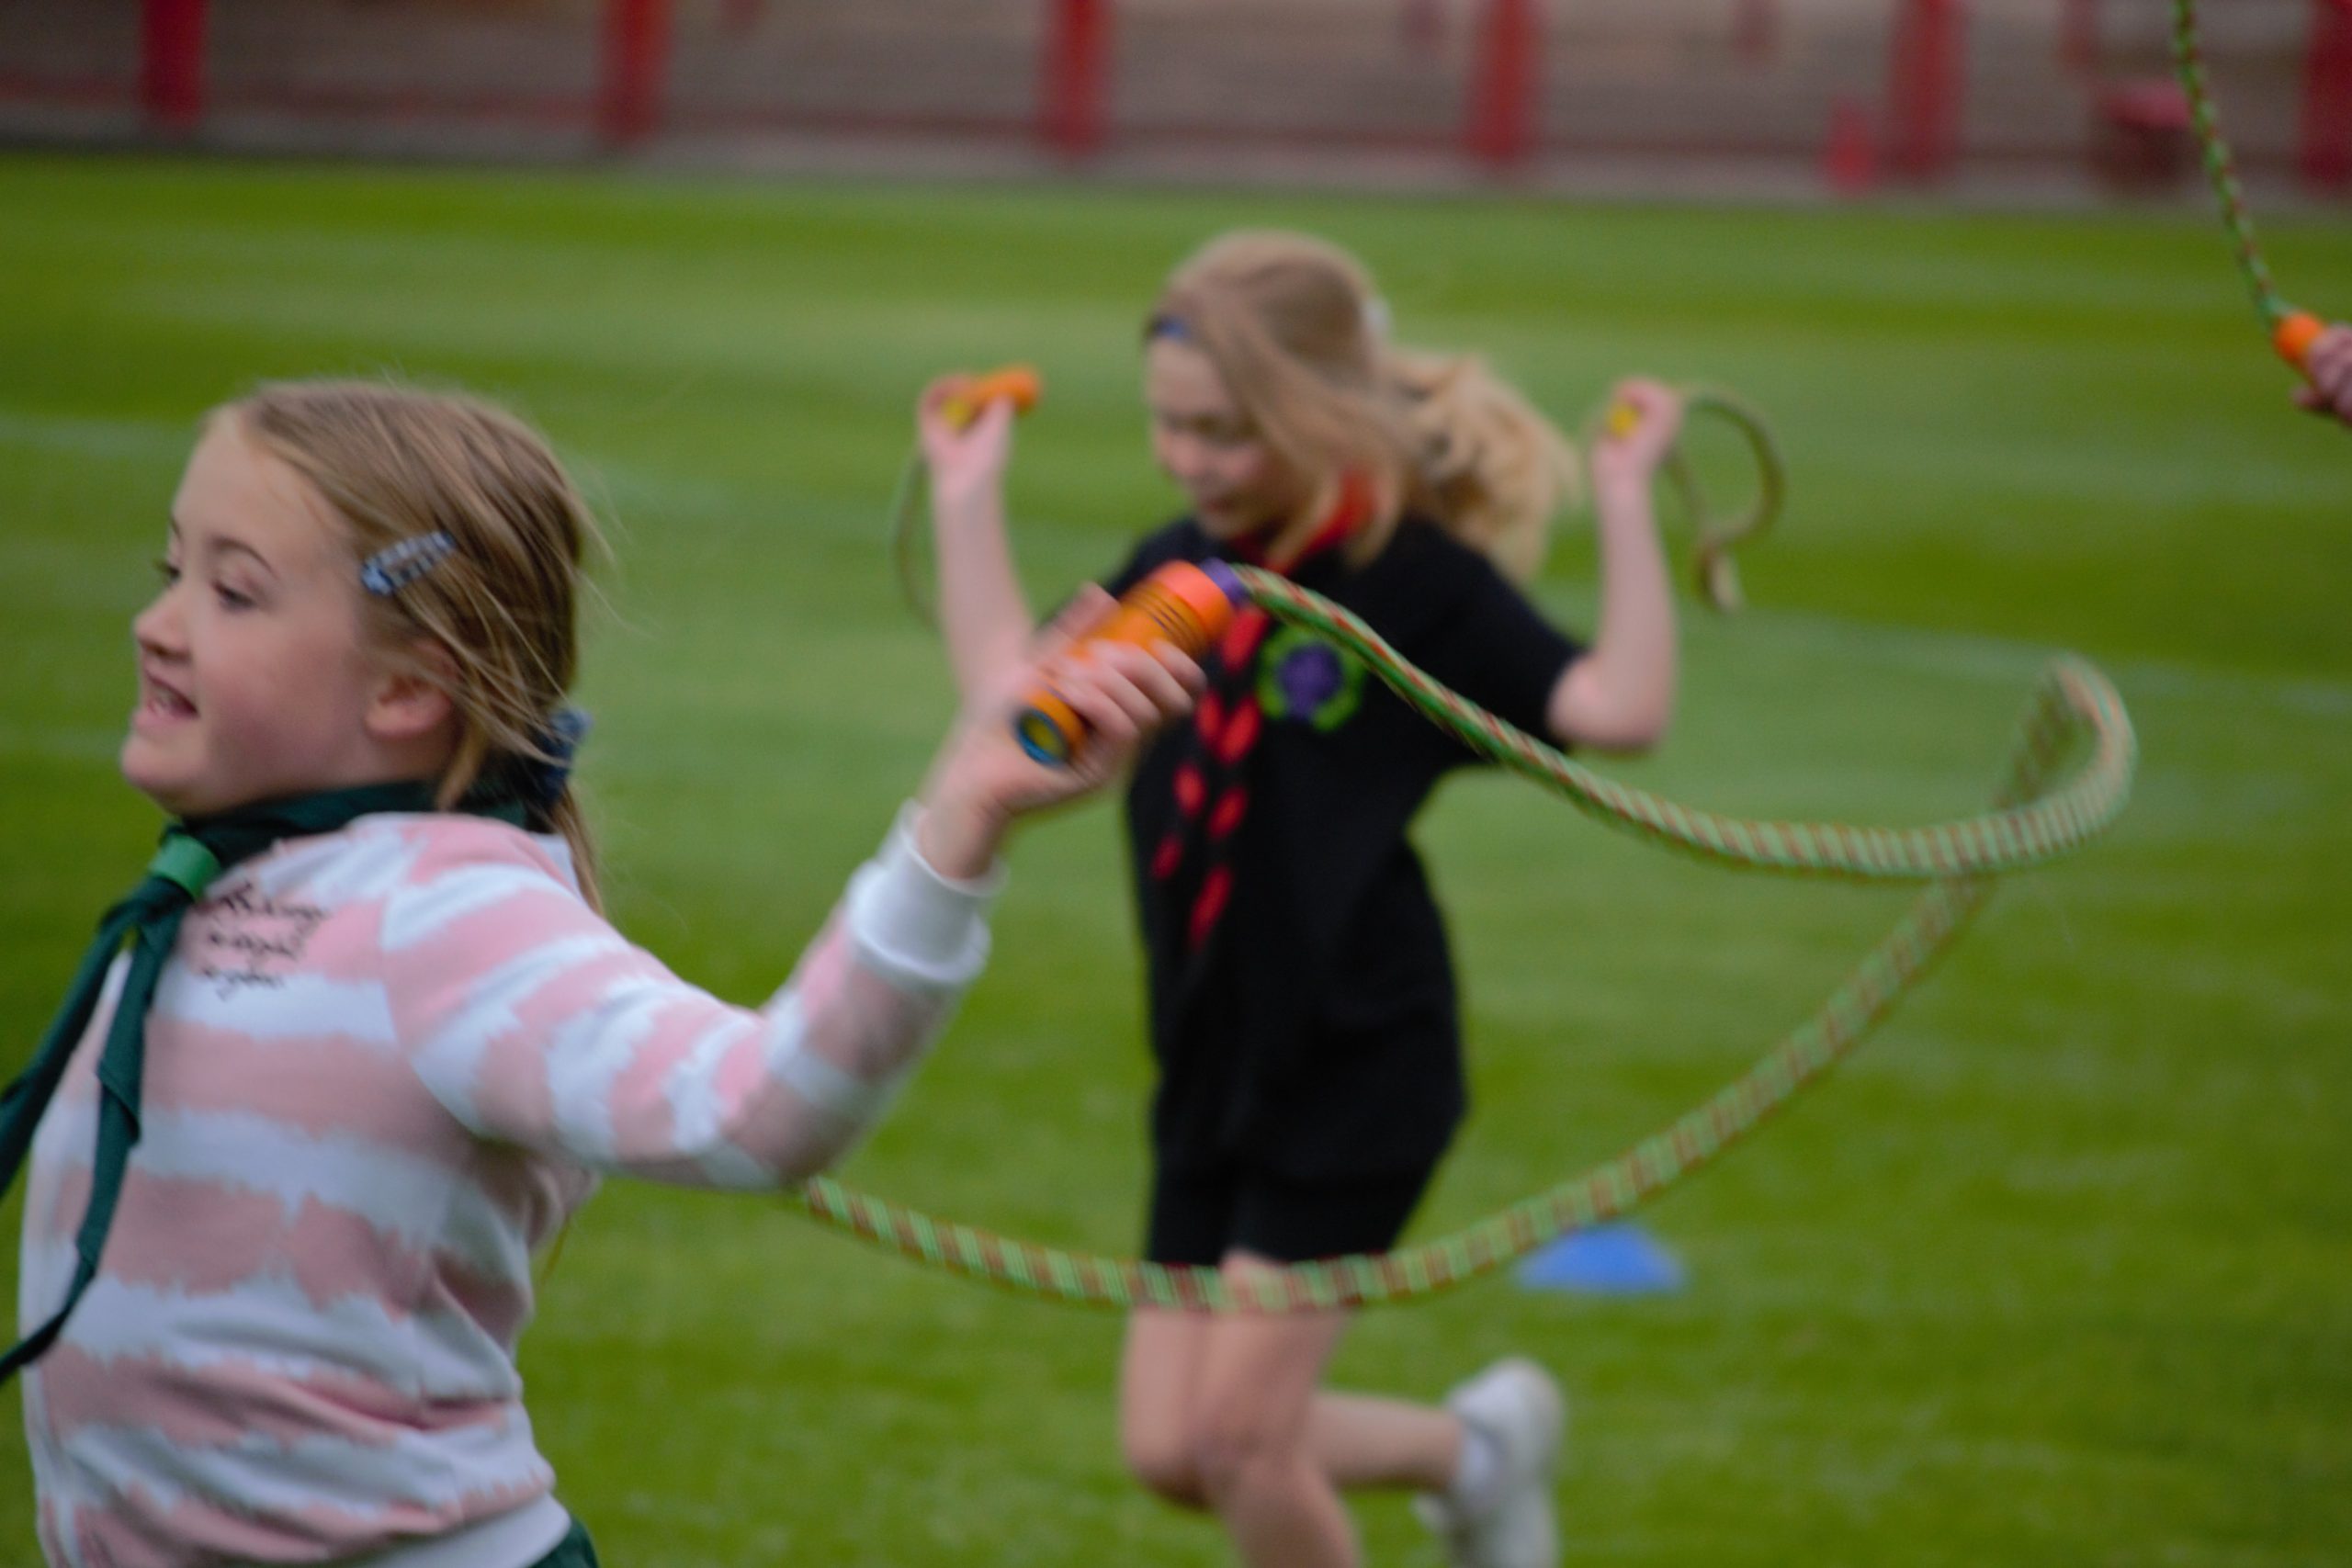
x,y
1609,1261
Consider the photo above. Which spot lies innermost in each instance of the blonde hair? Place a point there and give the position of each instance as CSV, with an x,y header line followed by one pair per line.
x,y
1294,327
395,463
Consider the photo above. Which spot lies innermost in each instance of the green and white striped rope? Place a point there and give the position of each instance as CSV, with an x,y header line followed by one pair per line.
x,y
2005,839
2221,167
2033,821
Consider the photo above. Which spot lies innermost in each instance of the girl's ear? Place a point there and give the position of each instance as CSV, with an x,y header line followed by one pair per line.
x,y
411,700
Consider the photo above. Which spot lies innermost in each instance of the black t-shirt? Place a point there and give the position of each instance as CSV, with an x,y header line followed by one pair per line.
x,y
1306,1024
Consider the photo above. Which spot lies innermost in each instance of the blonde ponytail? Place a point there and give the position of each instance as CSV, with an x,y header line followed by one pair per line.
x,y
1489,466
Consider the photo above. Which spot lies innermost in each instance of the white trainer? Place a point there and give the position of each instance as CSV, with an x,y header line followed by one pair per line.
x,y
1516,1405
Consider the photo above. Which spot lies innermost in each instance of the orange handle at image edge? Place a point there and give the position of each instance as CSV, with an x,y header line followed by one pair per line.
x,y
2294,336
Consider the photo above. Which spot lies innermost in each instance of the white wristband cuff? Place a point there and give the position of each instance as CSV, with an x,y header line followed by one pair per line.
x,y
914,924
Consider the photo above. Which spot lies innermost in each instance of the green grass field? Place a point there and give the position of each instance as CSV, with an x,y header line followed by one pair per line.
x,y
2058,1272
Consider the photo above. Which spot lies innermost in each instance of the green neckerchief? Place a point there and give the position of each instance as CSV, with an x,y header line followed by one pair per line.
x,y
192,856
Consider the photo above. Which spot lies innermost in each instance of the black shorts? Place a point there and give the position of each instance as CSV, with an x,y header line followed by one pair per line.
x,y
1199,1217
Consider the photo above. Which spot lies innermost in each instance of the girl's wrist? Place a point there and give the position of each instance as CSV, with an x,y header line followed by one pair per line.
x,y
961,492
961,829
1621,493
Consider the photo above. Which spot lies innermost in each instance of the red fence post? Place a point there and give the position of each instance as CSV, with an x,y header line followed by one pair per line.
x,y
2324,138
171,63
1501,129
635,65
1923,88
1078,50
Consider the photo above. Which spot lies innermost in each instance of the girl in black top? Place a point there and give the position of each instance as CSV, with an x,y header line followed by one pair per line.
x,y
1303,1007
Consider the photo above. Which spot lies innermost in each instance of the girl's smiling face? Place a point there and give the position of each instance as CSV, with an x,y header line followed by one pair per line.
x,y
1203,440
255,679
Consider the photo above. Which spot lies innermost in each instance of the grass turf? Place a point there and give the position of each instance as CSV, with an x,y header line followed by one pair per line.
x,y
2057,1271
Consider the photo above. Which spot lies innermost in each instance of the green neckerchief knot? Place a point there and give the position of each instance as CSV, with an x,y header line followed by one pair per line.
x,y
193,854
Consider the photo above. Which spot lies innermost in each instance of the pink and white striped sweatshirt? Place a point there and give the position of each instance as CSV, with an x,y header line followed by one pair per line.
x,y
381,1069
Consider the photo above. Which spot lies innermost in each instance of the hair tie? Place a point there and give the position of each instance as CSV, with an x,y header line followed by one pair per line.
x,y
546,775
403,561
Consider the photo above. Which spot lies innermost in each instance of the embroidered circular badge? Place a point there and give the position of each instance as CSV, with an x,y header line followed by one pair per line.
x,y
1301,676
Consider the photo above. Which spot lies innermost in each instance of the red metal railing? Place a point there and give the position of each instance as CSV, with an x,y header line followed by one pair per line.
x,y
1522,86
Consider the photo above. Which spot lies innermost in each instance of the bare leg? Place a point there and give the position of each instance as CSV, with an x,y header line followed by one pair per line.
x,y
1159,1380
1223,1414
1250,1445
1363,1441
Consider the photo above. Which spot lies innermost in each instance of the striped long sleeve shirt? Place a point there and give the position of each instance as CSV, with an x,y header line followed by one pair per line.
x,y
383,1066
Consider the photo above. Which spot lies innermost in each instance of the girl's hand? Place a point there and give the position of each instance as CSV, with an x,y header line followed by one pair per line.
x,y
984,780
2329,366
969,457
1631,447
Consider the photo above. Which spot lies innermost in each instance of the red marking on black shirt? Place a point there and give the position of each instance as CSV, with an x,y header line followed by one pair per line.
x,y
1230,724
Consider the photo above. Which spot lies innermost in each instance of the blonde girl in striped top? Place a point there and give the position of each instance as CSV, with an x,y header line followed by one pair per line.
x,y
387,1050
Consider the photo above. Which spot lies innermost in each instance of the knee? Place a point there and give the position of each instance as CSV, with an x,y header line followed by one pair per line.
x,y
1239,1451
1161,1462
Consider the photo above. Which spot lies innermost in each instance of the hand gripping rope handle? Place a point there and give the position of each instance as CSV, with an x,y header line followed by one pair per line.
x,y
1019,385
1714,534
2035,816
2292,331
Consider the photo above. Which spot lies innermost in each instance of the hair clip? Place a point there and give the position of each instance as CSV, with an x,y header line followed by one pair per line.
x,y
401,562
1168,324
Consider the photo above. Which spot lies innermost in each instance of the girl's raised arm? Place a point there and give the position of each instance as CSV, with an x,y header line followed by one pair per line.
x,y
1620,697
982,612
